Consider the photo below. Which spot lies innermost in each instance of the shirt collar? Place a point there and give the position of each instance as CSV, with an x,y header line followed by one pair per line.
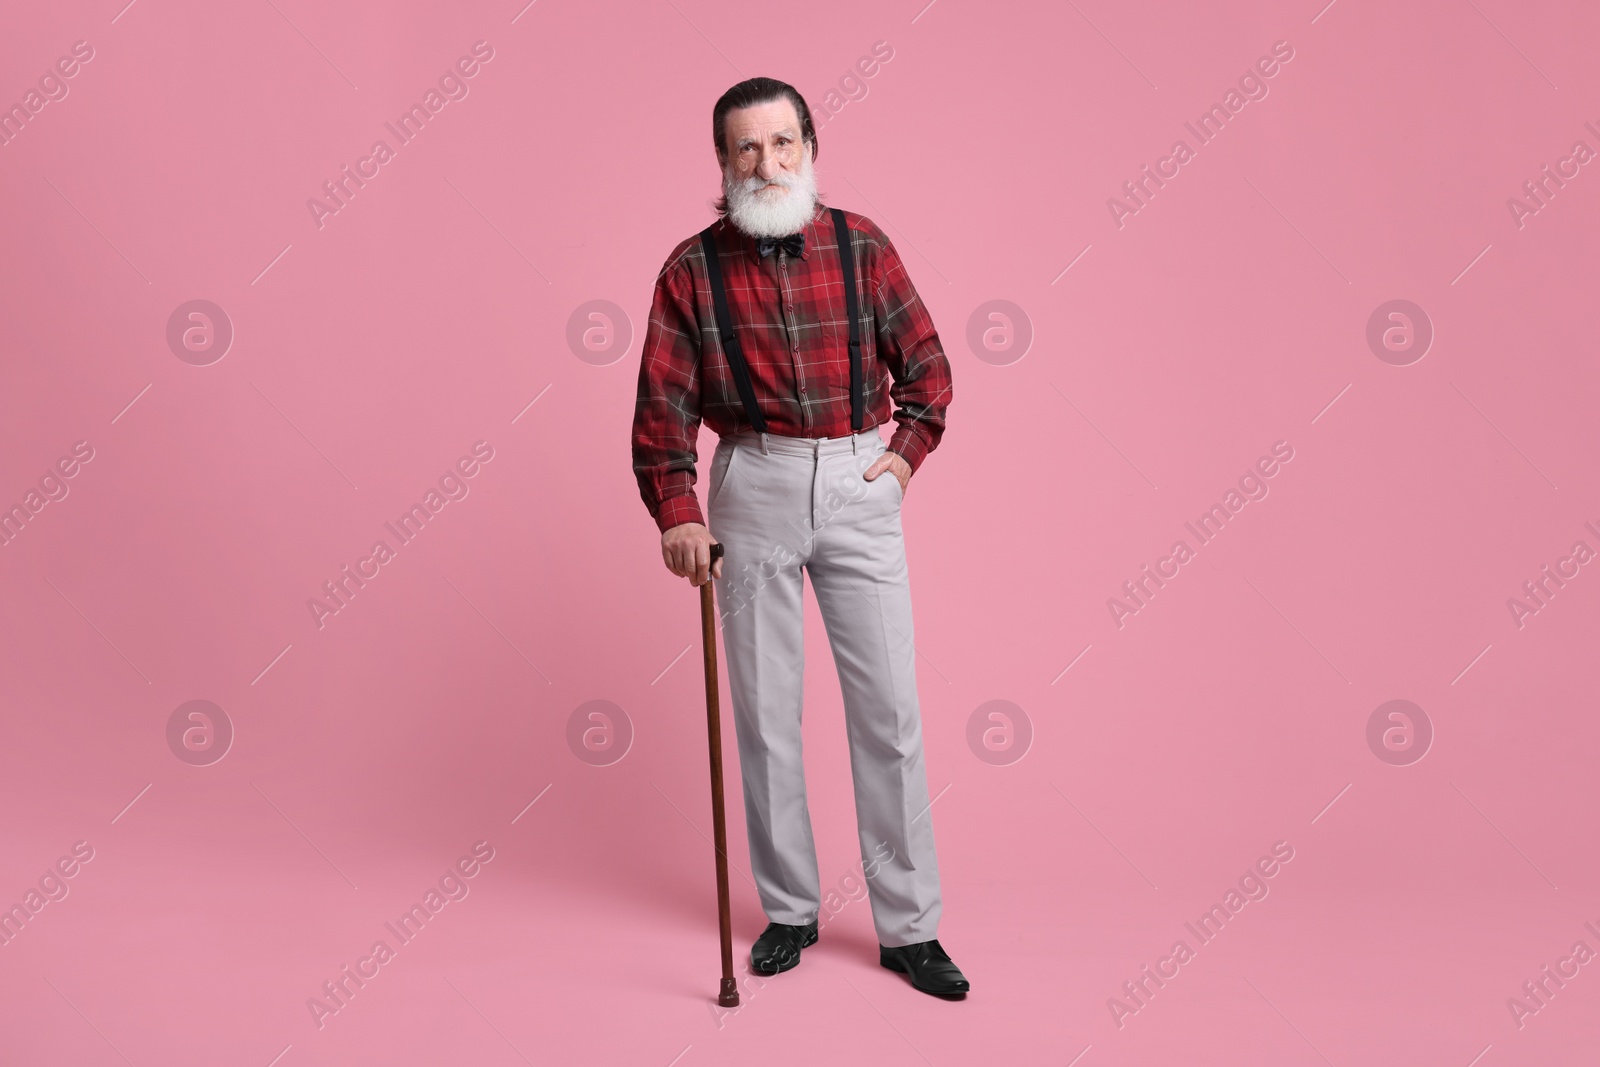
x,y
749,242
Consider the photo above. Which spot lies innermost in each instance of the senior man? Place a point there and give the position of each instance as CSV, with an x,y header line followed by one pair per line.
x,y
788,327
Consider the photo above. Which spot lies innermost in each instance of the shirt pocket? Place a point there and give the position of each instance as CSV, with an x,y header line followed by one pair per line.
x,y
835,336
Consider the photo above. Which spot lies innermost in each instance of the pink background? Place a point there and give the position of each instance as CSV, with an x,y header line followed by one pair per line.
x,y
369,354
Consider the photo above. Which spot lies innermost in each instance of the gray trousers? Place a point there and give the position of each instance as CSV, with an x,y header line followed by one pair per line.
x,y
779,505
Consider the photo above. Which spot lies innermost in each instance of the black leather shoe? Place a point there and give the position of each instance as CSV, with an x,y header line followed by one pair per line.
x,y
929,966
778,947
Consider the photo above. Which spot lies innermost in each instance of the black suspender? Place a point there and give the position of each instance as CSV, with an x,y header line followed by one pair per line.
x,y
847,263
730,338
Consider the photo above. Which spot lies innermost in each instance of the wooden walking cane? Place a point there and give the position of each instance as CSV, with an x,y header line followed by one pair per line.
x,y
729,995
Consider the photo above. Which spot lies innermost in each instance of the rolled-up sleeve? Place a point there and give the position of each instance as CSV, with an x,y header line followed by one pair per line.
x,y
666,414
909,345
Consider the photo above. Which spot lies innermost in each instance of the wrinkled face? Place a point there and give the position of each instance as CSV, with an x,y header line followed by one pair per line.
x,y
763,141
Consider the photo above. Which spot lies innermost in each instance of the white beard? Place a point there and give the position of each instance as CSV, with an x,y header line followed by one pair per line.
x,y
772,214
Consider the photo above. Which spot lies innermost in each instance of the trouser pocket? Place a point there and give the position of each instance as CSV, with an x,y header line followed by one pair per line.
x,y
721,463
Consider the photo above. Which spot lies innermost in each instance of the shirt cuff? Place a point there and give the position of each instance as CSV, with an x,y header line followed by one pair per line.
x,y
675,511
910,445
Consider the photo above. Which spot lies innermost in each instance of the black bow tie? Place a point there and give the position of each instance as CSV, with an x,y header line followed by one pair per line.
x,y
792,244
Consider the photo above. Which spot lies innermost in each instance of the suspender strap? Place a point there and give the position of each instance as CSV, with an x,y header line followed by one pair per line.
x,y
730,339
847,263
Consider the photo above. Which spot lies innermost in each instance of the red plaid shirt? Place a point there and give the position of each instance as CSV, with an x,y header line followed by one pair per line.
x,y
790,317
